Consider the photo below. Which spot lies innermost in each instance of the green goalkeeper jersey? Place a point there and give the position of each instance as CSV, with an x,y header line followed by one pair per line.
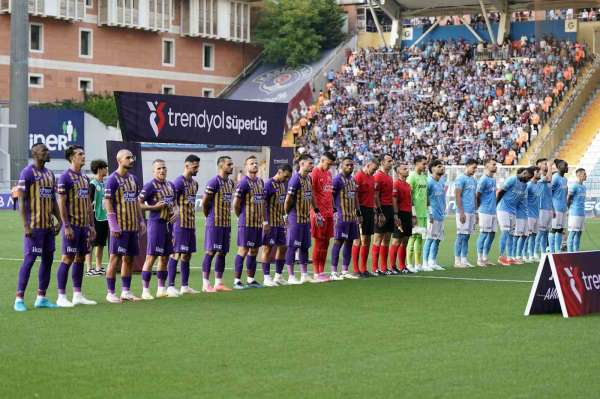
x,y
418,187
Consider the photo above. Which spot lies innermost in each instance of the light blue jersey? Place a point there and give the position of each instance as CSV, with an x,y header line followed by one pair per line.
x,y
578,204
514,190
545,195
559,192
522,204
436,193
534,190
486,187
468,185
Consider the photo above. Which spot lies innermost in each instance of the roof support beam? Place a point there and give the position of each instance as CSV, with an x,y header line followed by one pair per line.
x,y
468,26
487,21
428,31
377,25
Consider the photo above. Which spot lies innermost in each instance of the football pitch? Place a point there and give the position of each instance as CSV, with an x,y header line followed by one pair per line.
x,y
457,333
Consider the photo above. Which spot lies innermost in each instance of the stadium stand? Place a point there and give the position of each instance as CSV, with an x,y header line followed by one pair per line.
x,y
458,107
578,144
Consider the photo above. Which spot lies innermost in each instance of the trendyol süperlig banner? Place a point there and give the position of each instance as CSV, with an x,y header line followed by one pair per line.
x,y
157,118
567,283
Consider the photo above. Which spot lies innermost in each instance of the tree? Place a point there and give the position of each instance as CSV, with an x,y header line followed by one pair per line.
x,y
295,31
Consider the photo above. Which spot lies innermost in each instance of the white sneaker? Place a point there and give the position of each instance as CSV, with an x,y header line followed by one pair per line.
x,y
335,276
349,276
436,267
426,268
460,265
63,302
112,298
536,258
161,292
292,280
79,299
172,292
187,290
268,282
128,296
481,263
306,278
147,296
411,268
466,263
279,280
419,268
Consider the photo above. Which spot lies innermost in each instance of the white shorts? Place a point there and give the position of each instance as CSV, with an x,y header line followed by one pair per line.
x,y
507,221
560,221
532,225
545,220
576,223
521,227
435,230
487,223
468,226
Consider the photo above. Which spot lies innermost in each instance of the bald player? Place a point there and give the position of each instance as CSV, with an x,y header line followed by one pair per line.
x,y
217,210
184,228
37,206
157,197
125,221
77,216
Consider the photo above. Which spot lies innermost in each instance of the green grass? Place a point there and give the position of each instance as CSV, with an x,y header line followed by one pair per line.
x,y
376,338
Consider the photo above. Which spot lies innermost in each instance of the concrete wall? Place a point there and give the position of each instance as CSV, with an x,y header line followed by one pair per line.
x,y
585,34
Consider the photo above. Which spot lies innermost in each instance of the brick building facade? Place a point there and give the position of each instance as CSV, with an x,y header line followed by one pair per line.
x,y
185,47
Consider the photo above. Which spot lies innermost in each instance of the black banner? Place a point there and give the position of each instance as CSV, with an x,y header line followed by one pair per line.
x,y
157,118
280,156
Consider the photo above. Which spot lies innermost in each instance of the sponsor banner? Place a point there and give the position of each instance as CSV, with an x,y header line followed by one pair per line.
x,y
6,202
57,128
280,156
157,118
298,105
566,282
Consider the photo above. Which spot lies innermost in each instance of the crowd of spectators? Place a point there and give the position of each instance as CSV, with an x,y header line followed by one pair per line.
x,y
438,100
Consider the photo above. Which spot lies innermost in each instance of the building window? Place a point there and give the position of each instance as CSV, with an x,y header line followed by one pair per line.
x,y
85,43
208,59
167,89
36,80
168,52
89,3
86,85
208,93
36,37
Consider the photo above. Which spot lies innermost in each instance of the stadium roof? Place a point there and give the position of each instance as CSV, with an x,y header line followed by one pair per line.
x,y
408,8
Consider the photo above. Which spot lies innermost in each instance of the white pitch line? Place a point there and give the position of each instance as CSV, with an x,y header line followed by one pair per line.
x,y
494,280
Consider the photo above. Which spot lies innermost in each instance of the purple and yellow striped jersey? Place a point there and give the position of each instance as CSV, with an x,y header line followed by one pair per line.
x,y
344,197
76,187
123,192
220,209
39,186
185,197
252,193
301,189
155,191
274,202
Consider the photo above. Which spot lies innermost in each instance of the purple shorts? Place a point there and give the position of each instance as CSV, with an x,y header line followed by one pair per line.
x,y
41,241
79,243
159,239
217,239
185,241
275,237
346,231
127,244
298,235
249,237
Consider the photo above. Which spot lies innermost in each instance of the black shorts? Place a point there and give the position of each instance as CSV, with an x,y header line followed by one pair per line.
x,y
406,223
389,225
367,227
101,233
